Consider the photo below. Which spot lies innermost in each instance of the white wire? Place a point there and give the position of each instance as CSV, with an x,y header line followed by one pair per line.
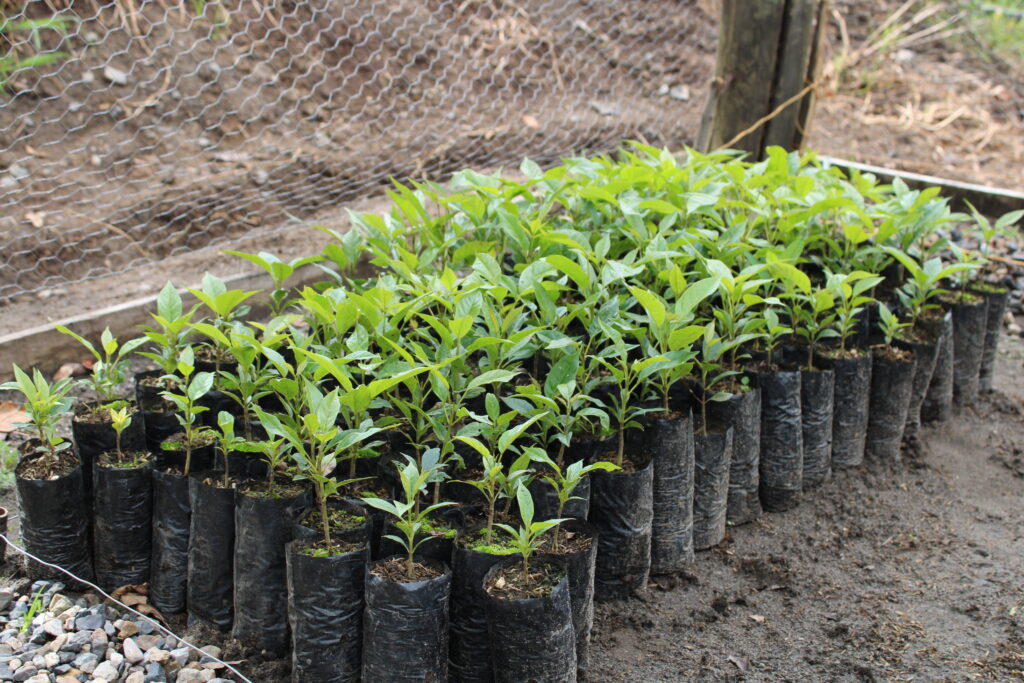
x,y
130,609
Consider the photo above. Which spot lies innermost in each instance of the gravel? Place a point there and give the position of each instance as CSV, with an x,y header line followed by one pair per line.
x,y
77,640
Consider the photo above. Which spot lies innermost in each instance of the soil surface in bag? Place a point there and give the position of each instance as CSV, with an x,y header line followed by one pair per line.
x,y
211,551
622,511
263,525
469,647
157,413
742,412
532,639
850,402
969,329
545,498
325,612
93,434
405,628
579,567
54,526
781,465
938,401
669,443
817,391
123,532
172,514
712,454
925,355
995,310
892,381
438,545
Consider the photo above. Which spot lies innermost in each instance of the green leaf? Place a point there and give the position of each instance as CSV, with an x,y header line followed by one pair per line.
x,y
200,385
490,377
652,305
572,269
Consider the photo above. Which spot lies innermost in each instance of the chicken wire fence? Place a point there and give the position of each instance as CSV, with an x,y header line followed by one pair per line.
x,y
134,130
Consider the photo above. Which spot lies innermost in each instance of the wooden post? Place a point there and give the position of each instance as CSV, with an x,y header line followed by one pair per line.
x,y
767,54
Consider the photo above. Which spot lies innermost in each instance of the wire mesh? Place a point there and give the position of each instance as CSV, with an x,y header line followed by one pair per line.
x,y
134,130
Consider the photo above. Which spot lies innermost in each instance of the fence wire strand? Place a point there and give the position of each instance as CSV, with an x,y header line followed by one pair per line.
x,y
134,130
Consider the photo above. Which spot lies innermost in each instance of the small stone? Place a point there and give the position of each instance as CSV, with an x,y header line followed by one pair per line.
x,y
39,636
189,676
154,672
170,643
15,663
77,640
132,652
91,619
204,141
260,177
6,596
207,675
39,678
91,37
145,627
67,678
157,655
679,92
18,172
105,672
24,673
60,604
100,635
115,75
85,659
135,677
54,627
51,659
7,182
147,643
14,643
109,629
5,672
127,629
39,662
57,643
114,657
210,652
180,655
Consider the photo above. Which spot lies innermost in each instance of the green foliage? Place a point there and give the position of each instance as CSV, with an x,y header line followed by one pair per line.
x,y
528,536
108,370
45,403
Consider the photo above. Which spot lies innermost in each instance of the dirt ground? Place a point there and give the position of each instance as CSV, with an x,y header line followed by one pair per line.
x,y
881,575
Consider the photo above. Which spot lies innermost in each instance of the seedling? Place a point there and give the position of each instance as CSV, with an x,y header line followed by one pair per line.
x,y
409,519
850,291
528,536
892,328
170,333
33,609
108,371
279,272
120,420
45,404
564,482
192,389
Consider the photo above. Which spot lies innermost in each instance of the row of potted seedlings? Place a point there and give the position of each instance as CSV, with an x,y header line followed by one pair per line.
x,y
545,392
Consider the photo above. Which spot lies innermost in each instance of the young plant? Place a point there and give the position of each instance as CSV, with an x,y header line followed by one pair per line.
x,y
670,334
108,371
923,284
528,536
170,333
45,404
850,292
627,376
225,304
773,332
813,318
410,518
713,368
274,451
120,420
279,271
891,326
192,389
227,442
564,482
494,482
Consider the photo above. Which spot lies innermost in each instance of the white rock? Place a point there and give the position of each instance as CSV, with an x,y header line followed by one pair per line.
x,y
54,627
680,92
132,652
105,672
115,75
189,676
114,657
135,677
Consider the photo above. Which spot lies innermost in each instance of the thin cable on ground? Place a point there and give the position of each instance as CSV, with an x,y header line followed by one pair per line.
x,y
108,596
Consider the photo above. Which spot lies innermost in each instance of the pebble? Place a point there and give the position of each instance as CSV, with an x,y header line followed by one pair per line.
x,y
91,619
180,655
157,655
39,678
679,92
145,627
6,598
24,673
60,604
115,75
86,659
126,629
189,676
135,677
18,172
132,652
54,627
147,643
154,672
105,672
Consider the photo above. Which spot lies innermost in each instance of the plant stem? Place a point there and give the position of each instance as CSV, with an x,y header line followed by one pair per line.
x,y
227,468
323,515
622,447
490,520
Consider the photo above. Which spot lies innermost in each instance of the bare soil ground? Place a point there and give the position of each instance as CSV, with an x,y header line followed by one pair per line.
x,y
910,573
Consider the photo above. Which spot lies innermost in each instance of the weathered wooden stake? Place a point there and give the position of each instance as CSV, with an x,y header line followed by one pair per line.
x,y
768,52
